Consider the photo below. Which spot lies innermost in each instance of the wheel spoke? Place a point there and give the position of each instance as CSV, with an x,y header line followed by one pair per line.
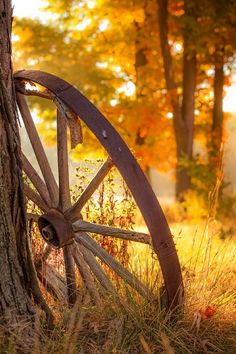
x,y
35,197
45,254
64,200
97,270
91,188
38,150
35,179
63,170
34,217
86,275
70,275
81,225
52,280
104,256
73,122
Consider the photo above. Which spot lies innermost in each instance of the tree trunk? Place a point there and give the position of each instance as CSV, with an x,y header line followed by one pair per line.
x,y
186,125
17,277
217,121
140,63
183,116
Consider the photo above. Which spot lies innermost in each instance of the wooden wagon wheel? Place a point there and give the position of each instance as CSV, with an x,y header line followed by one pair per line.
x,y
61,225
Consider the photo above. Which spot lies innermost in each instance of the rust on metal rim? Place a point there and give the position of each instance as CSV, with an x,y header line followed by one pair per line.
x,y
130,170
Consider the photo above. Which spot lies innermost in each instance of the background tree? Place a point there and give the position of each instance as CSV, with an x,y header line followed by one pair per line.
x,y
113,51
182,108
215,53
224,43
102,65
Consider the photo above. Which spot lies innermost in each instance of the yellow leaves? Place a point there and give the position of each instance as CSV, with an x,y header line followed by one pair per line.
x,y
211,50
25,34
138,15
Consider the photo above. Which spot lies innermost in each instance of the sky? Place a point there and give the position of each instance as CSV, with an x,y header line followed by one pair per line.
x,y
27,8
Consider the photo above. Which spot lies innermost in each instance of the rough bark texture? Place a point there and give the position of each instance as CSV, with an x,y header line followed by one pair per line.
x,y
183,114
17,276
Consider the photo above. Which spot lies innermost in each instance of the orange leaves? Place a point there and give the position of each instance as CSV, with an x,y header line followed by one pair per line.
x,y
176,8
143,131
209,311
203,315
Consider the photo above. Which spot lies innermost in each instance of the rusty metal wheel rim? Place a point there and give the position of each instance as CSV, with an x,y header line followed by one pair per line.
x,y
131,172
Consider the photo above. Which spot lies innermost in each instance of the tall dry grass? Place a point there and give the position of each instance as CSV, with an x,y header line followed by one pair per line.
x,y
134,325
131,324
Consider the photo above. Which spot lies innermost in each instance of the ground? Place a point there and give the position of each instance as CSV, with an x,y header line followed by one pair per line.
x,y
207,324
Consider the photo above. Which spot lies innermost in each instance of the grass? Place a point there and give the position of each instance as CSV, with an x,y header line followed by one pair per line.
x,y
133,325
130,324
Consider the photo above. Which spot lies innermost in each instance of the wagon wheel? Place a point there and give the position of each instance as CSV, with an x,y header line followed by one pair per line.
x,y
61,225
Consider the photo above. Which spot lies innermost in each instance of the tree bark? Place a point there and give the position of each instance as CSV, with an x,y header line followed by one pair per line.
x,y
140,64
183,115
186,125
17,277
217,119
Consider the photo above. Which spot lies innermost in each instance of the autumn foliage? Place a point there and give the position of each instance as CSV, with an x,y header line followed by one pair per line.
x,y
111,50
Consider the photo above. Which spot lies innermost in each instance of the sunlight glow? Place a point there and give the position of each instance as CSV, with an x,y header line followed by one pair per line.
x,y
30,87
128,89
169,115
177,48
85,23
210,72
91,4
27,8
117,69
104,25
229,103
102,64
35,116
113,102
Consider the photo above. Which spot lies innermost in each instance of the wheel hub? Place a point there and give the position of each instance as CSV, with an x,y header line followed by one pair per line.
x,y
55,229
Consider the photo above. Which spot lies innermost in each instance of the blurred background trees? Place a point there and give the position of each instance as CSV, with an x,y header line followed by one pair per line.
x,y
156,68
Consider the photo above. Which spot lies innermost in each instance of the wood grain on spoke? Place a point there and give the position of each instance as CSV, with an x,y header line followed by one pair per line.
x,y
104,256
63,169
91,188
86,275
70,275
130,235
35,197
97,270
38,150
52,280
73,121
64,200
34,177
